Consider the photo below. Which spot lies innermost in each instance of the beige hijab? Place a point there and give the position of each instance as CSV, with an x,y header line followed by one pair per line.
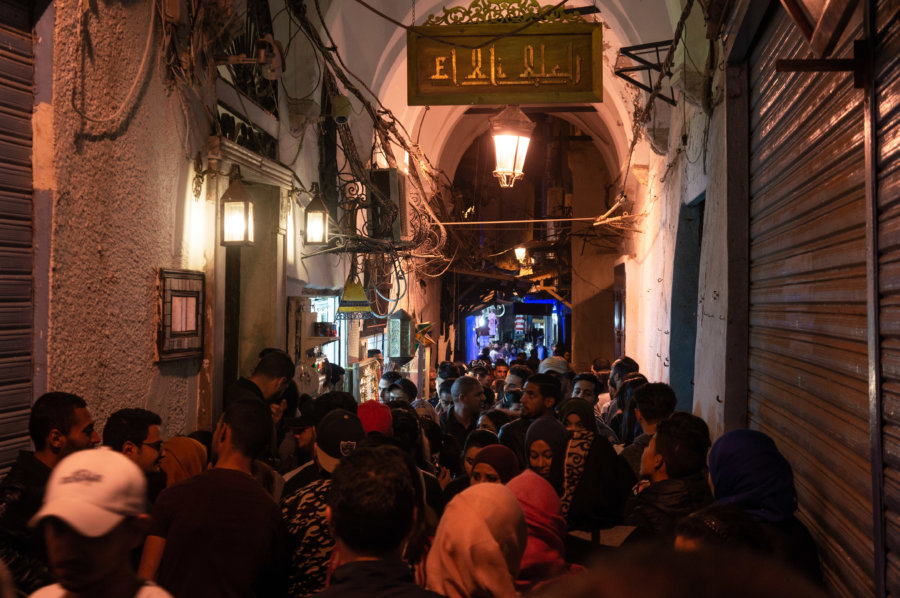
x,y
479,544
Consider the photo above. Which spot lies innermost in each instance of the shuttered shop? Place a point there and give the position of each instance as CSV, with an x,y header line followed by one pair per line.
x,y
808,333
887,86
16,313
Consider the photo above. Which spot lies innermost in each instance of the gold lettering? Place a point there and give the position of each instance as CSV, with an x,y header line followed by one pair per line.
x,y
439,68
453,63
476,73
528,61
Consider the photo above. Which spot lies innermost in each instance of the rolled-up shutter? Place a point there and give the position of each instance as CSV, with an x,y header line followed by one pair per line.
x,y
16,261
808,330
887,88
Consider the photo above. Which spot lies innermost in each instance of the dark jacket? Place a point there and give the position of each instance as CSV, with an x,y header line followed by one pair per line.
x,y
240,390
657,509
512,436
632,453
22,548
451,425
374,579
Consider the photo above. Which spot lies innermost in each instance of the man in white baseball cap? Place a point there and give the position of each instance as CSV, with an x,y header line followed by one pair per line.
x,y
93,516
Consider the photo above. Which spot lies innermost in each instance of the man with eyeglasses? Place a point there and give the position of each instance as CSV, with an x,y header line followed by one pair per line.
x,y
136,434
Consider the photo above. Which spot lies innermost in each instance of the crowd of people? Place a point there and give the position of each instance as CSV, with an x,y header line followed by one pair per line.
x,y
512,479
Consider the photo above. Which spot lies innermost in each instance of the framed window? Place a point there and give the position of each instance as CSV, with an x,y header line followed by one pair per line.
x,y
181,297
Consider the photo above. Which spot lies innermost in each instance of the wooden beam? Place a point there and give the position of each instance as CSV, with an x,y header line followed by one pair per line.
x,y
798,15
831,25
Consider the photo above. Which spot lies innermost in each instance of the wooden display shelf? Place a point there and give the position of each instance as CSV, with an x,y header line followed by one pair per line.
x,y
317,341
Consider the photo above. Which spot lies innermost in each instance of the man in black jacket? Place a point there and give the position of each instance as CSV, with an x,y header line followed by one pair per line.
x,y
674,463
371,511
59,425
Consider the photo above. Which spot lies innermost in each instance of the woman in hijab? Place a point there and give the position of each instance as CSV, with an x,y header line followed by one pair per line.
x,y
595,486
747,470
544,558
182,458
475,442
545,444
478,546
495,464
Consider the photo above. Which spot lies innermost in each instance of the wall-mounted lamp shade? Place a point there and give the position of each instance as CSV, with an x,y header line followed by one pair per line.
x,y
511,130
520,253
237,216
316,221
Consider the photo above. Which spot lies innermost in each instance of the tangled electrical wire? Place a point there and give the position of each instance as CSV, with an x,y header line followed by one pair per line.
x,y
428,236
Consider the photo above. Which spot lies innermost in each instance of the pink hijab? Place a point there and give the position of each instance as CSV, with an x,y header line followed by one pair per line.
x,y
544,556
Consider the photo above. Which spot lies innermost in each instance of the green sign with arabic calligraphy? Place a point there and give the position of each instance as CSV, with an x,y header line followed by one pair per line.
x,y
492,64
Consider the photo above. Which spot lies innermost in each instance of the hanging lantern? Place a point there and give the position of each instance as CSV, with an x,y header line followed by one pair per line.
x,y
237,214
401,337
521,252
354,305
316,231
511,130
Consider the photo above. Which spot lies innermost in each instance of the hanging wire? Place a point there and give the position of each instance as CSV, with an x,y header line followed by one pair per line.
x,y
126,103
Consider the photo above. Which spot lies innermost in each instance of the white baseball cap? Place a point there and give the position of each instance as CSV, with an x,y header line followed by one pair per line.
x,y
93,491
557,365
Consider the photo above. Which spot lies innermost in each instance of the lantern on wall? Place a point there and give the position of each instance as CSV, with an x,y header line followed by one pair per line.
x,y
511,131
401,337
521,252
316,231
237,213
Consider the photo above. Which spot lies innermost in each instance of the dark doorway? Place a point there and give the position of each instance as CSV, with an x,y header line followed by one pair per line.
x,y
685,280
619,309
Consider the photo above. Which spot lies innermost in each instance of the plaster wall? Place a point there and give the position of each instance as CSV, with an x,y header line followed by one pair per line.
x,y
665,183
592,269
120,212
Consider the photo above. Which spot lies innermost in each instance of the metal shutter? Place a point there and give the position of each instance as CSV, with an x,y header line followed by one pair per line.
x,y
887,86
808,331
16,259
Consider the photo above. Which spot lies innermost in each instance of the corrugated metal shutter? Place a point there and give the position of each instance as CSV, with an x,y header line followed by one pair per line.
x,y
808,330
16,259
887,86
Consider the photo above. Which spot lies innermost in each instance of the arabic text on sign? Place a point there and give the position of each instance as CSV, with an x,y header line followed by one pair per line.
x,y
534,73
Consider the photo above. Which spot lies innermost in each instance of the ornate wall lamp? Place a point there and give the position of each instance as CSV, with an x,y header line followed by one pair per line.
x,y
316,231
511,130
237,213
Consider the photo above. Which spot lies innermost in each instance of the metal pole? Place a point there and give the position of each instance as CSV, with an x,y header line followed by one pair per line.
x,y
873,300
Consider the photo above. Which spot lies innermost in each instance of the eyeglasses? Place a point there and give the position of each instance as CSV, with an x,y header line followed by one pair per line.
x,y
156,446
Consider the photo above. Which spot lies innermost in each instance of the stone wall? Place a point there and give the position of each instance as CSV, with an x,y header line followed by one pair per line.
x,y
120,213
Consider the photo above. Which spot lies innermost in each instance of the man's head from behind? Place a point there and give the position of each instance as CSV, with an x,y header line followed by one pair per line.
x,y
372,504
60,424
446,371
273,372
136,434
336,437
678,449
654,402
246,427
93,516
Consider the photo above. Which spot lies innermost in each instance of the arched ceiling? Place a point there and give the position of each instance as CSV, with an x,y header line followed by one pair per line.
x,y
375,51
